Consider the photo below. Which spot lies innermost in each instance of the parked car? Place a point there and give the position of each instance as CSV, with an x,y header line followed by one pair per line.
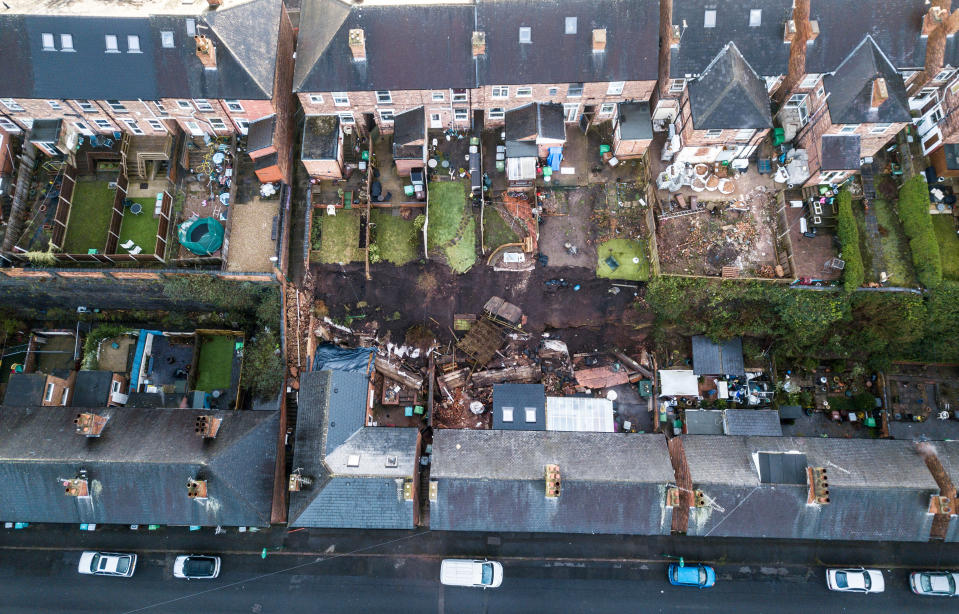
x,y
196,566
935,583
701,576
857,580
457,572
107,564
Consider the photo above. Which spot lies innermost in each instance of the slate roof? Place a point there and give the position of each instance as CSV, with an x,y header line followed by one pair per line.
x,y
536,121
92,388
850,88
635,121
840,152
25,389
494,481
729,95
518,397
723,358
879,489
260,133
321,137
896,25
952,156
762,45
245,35
138,467
409,134
404,43
752,422
367,495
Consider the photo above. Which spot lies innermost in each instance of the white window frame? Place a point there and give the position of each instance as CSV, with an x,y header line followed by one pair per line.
x,y
64,396
615,88
157,125
384,97
553,91
347,118
525,35
340,99
218,125
755,18
160,108
499,92
714,133
82,128
809,81
438,96
184,105
86,106
133,43
497,113
573,87
570,112
203,105
66,42
461,114
676,86
570,25
117,107
166,39
745,134
530,413
830,176
821,90
103,124
316,98
48,41
387,116
507,414
709,18
459,95
131,123
8,125
607,109
243,125
48,393
55,105
110,43
848,128
195,129
880,128
524,92
800,103
943,75
234,106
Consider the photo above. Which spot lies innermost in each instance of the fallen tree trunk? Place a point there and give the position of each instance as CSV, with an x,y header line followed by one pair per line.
x,y
398,373
512,374
632,364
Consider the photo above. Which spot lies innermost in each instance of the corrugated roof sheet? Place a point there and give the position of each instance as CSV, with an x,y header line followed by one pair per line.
x,y
723,358
582,414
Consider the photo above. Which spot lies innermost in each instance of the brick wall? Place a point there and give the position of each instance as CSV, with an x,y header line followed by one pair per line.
x,y
283,99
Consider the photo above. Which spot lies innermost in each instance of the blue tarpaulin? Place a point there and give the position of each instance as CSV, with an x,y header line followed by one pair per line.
x,y
555,158
330,357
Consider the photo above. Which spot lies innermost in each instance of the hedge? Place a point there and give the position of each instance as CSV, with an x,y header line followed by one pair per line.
x,y
853,274
917,223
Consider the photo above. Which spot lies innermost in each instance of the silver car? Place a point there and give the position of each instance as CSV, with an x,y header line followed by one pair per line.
x,y
196,566
935,583
107,564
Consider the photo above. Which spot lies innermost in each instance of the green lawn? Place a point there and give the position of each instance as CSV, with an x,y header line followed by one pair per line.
x,y
89,220
895,245
397,240
141,228
447,206
336,238
945,229
215,365
623,250
461,254
865,248
496,231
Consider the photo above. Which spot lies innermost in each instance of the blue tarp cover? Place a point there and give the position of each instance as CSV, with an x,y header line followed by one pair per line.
x,y
330,357
555,158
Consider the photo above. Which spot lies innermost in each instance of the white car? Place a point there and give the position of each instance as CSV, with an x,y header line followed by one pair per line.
x,y
480,574
935,583
857,580
196,566
107,564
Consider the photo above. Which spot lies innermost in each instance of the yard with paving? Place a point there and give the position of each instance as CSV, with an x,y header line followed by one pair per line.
x,y
89,220
336,238
945,227
452,226
394,237
141,228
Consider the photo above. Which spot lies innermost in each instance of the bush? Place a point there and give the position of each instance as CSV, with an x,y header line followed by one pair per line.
x,y
92,342
853,274
263,365
917,223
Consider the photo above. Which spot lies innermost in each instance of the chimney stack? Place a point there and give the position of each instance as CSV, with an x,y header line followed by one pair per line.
x,y
879,93
358,44
90,425
207,426
933,19
196,489
952,23
813,31
790,31
675,33
479,44
552,481
599,40
298,481
818,485
77,487
214,3
206,51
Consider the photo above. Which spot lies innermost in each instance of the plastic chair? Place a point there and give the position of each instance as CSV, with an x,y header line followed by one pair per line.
x,y
136,250
128,244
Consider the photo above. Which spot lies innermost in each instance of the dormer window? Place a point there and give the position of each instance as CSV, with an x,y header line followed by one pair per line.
x,y
709,20
526,34
755,18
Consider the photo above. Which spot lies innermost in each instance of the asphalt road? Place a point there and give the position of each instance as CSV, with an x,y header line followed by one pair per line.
x,y
34,581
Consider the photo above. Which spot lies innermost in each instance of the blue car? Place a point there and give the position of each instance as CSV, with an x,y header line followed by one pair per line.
x,y
701,576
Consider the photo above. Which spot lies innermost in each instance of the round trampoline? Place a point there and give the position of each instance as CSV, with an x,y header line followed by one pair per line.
x,y
202,237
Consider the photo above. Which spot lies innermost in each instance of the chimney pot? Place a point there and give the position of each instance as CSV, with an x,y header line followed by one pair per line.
x,y
933,18
879,93
789,32
90,425
208,426
206,51
599,40
357,41
196,489
479,44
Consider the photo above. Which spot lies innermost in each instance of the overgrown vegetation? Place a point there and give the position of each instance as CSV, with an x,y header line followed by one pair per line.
x,y
853,274
945,227
263,367
895,244
496,230
917,224
393,239
93,339
806,326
